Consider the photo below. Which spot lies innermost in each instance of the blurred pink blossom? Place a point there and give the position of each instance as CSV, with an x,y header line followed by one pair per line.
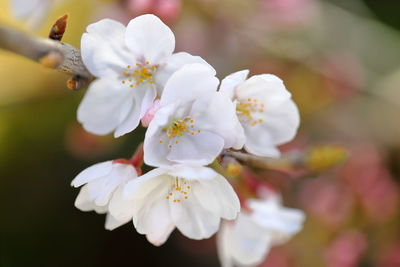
x,y
344,75
125,10
327,200
167,10
366,174
346,250
290,12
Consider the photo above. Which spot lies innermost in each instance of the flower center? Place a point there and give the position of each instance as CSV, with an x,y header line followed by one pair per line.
x,y
141,73
248,110
178,128
179,190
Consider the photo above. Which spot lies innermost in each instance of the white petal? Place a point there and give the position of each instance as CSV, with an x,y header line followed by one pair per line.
x,y
280,117
191,82
83,202
147,36
151,214
281,223
229,83
131,122
174,63
260,143
145,184
159,237
198,149
105,105
217,196
100,209
155,153
153,219
102,189
193,220
219,116
120,207
279,126
251,243
267,88
103,49
153,211
224,243
93,172
283,121
147,100
150,191
100,192
112,223
143,97
289,224
192,172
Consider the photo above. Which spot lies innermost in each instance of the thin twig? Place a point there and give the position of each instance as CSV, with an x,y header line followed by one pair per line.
x,y
49,53
316,159
261,162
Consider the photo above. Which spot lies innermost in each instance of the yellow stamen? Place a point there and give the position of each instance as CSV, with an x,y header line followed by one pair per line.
x,y
249,111
142,73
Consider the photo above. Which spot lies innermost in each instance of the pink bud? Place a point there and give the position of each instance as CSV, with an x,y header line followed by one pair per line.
x,y
148,117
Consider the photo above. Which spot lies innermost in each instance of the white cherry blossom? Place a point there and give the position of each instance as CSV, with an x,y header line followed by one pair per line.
x,y
132,65
265,109
102,185
247,241
192,199
194,122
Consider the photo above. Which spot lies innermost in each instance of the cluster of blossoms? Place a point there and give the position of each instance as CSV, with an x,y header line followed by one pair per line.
x,y
191,119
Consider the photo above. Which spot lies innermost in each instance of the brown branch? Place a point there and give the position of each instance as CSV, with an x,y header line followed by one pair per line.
x,y
49,53
316,159
261,162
